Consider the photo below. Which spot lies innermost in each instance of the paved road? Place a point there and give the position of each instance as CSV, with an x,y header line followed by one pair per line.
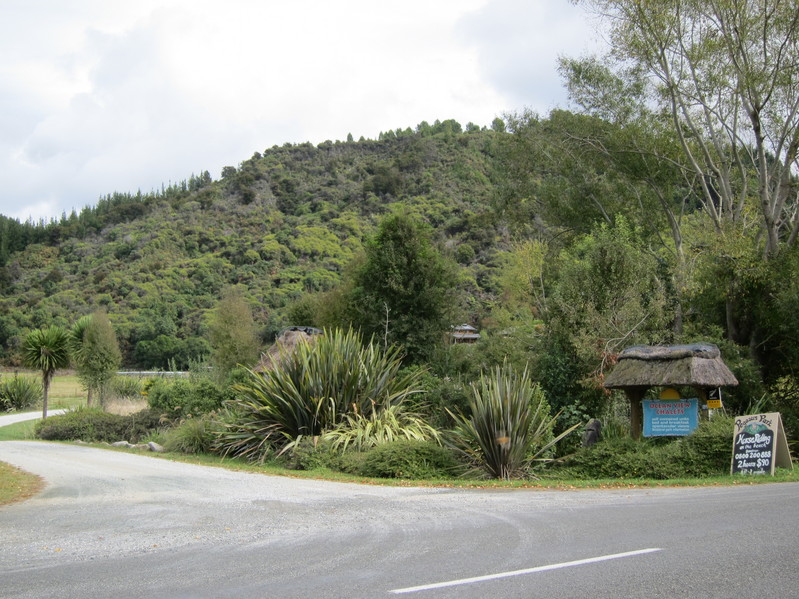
x,y
113,524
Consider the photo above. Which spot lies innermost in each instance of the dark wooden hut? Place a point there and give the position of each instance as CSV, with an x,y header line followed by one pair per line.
x,y
644,366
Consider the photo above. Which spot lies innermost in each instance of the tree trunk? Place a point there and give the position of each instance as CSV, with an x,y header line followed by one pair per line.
x,y
45,389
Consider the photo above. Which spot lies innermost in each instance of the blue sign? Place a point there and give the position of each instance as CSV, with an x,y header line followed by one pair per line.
x,y
663,418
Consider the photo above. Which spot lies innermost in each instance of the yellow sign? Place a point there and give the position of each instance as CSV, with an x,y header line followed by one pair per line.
x,y
713,403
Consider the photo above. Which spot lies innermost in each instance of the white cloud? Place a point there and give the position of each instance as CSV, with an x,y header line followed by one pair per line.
x,y
99,96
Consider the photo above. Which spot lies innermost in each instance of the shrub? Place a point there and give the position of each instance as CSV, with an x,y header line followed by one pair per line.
x,y
404,459
192,435
443,396
706,452
92,424
180,398
710,447
509,426
384,425
784,398
125,387
310,391
311,454
19,393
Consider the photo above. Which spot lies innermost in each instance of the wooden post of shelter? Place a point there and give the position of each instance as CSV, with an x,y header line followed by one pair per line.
x,y
643,366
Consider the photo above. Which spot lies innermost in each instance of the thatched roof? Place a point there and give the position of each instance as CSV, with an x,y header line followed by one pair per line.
x,y
285,344
697,365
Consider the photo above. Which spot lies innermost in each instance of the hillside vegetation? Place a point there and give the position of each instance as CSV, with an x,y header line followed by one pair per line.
x,y
548,234
282,224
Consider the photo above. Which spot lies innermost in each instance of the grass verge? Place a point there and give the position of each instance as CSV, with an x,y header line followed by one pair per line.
x,y
542,483
17,485
21,431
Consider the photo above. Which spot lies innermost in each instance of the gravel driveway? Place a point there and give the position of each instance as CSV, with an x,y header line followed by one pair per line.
x,y
113,523
100,502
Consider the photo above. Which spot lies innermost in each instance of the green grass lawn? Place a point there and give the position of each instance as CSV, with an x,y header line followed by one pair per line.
x,y
66,392
21,431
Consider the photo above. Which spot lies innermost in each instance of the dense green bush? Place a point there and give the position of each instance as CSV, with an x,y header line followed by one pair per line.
x,y
706,452
312,454
192,435
93,424
180,398
404,459
443,396
19,393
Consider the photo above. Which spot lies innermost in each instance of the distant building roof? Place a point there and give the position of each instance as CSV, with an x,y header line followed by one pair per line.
x,y
464,333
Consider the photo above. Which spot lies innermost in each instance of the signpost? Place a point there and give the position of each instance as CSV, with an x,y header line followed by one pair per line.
x,y
759,444
670,418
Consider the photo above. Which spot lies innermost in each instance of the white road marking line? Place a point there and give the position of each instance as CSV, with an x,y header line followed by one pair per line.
x,y
579,562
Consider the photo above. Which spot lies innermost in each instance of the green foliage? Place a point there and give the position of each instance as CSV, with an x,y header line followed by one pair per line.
x,y
232,333
95,425
311,390
385,425
509,426
182,398
46,350
125,387
408,459
19,393
784,398
403,291
95,352
442,397
706,452
608,294
313,454
191,435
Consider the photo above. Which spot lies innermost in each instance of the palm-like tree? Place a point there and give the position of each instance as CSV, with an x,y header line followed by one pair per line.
x,y
46,350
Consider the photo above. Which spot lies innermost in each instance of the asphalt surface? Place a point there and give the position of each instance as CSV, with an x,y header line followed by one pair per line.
x,y
113,524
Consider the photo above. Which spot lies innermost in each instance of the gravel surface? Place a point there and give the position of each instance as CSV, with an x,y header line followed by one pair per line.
x,y
7,419
100,502
113,523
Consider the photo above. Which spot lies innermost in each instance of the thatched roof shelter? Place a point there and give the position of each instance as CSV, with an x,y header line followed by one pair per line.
x,y
697,365
285,344
644,366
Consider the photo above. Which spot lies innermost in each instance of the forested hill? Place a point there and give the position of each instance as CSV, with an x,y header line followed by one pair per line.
x,y
283,223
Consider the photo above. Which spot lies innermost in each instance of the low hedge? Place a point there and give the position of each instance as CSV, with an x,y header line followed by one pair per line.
x,y
705,452
95,425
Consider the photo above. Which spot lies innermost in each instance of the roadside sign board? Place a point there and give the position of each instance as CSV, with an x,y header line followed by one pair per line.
x,y
759,445
670,418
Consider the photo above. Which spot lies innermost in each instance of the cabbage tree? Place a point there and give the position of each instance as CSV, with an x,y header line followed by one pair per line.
x,y
46,350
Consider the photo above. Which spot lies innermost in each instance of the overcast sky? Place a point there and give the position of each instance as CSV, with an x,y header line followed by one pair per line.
x,y
98,96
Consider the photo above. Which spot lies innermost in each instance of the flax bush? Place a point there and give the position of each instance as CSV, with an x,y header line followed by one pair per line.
x,y
311,391
19,393
509,427
391,423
